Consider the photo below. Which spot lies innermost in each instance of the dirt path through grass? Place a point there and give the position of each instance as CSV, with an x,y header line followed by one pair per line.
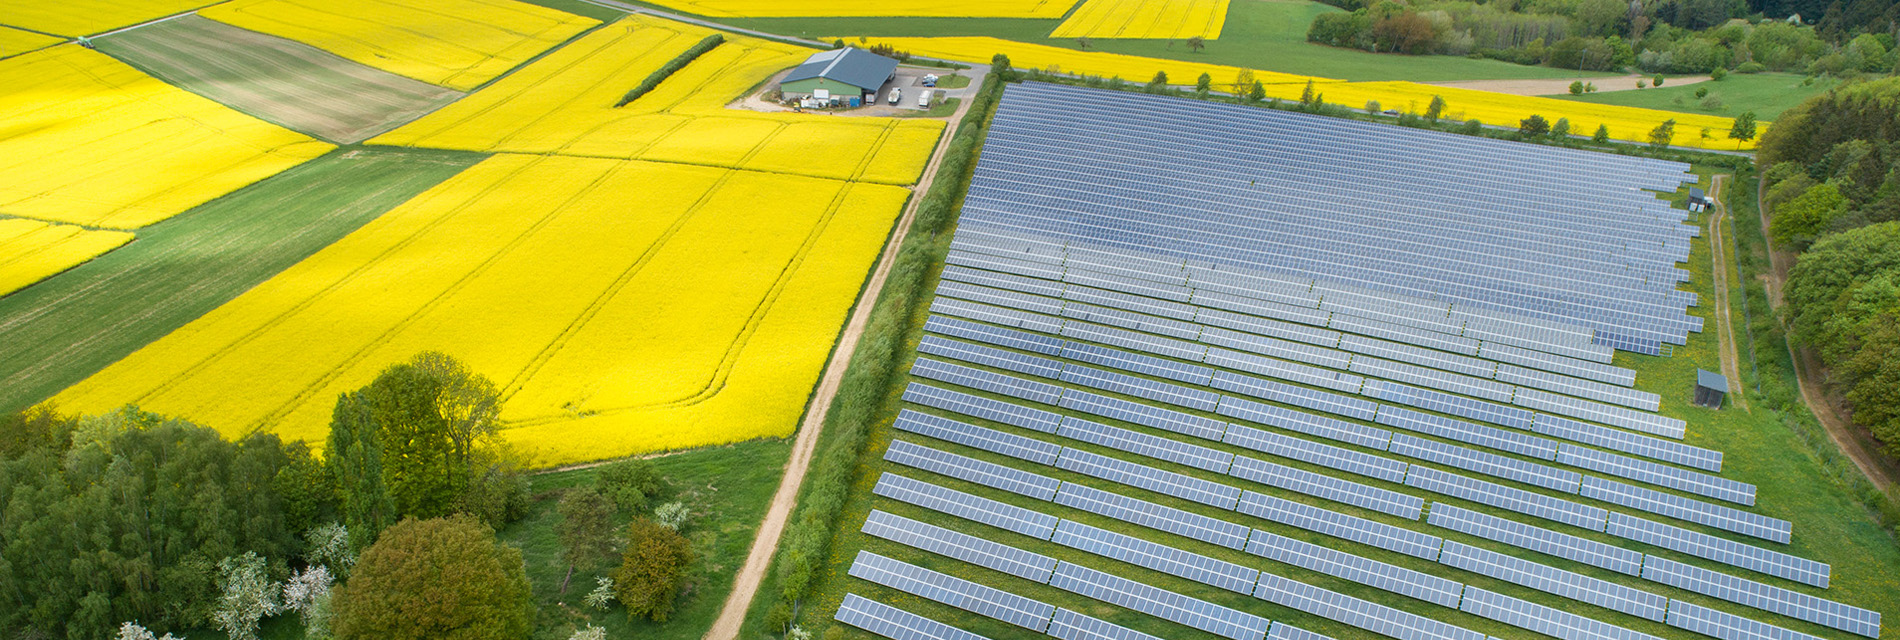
x,y
1558,86
1718,246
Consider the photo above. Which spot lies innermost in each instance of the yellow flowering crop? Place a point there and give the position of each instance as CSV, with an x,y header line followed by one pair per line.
x,y
31,251
1145,19
90,140
14,42
1023,55
458,44
564,104
862,8
622,306
87,17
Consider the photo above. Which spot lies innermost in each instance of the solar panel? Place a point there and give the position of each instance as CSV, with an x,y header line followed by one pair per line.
x,y
1588,389
1186,524
1140,387
1310,452
1701,484
1290,371
973,470
1284,631
1634,444
994,314
1799,606
1575,586
1268,327
1461,431
961,546
1250,302
1144,444
1545,541
1142,414
1674,506
1419,356
1372,617
1339,525
1150,478
990,357
1302,422
894,623
1555,623
980,407
1001,515
1558,364
973,436
990,278
1151,306
1133,341
999,297
990,334
1432,378
1446,403
1721,550
1346,566
1726,626
1503,497
1297,396
1177,293
1069,625
1131,320
1159,557
1409,335
956,592
1598,412
1328,487
1282,349
986,381
1490,464
1137,363
1161,603
1004,264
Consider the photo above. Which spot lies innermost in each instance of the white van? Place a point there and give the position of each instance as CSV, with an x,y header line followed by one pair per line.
x,y
923,100
896,94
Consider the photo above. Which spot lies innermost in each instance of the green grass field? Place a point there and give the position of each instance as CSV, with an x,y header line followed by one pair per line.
x,y
1829,524
71,325
1766,94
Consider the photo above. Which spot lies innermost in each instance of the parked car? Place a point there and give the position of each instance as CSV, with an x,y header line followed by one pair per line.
x,y
930,81
923,100
896,94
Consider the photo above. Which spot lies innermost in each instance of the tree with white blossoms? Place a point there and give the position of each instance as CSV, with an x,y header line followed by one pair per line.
x,y
307,592
797,633
133,631
591,632
329,546
672,515
602,595
248,596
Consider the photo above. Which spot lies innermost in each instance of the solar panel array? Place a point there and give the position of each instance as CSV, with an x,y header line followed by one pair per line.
x,y
1159,557
1490,464
976,437
894,623
971,469
1726,626
1154,516
1793,604
1152,446
1339,525
1545,578
1555,623
1701,484
1324,486
1069,625
962,546
1721,550
1678,507
981,407
1346,566
1160,603
1310,452
1145,477
1001,515
1370,616
1503,497
1142,414
986,381
1545,541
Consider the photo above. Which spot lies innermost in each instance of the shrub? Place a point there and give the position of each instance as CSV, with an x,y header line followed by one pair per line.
x,y
1659,80
1718,74
1701,92
1472,127
423,577
1751,67
1576,88
631,484
680,61
652,571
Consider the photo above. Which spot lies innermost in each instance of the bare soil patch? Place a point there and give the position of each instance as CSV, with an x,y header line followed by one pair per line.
x,y
1556,86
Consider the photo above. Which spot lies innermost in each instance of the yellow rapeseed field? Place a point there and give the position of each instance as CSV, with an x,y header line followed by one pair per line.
x,y
1164,19
860,8
622,306
1023,55
14,42
457,44
90,140
564,104
87,17
31,251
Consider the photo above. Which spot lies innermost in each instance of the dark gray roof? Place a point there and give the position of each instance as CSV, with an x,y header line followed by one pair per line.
x,y
850,65
1711,379
1695,193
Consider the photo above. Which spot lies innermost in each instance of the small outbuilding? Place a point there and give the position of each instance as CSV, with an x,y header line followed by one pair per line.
x,y
1710,388
1699,201
839,73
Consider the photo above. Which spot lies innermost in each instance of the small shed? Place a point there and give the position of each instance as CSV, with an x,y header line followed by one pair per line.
x,y
840,72
1699,201
1710,388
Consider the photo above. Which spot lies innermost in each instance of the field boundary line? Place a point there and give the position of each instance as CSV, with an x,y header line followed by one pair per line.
x,y
1725,330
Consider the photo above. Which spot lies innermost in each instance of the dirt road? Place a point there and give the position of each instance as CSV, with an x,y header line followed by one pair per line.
x,y
1718,250
746,584
1559,86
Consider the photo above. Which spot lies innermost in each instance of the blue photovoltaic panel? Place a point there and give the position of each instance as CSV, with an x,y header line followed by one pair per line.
x,y
1698,483
1674,506
1726,626
1489,464
894,623
1001,515
1339,525
1139,387
956,592
1154,516
985,408
1297,396
1461,431
1290,371
1008,265
999,297
993,314
1545,541
1146,477
1118,300
1131,320
1160,603
984,438
1328,487
1420,356
1339,607
1137,363
1132,341
1503,497
1159,557
1302,422
1598,412
1575,586
988,278
959,545
1442,402
1282,349
1558,364
986,381
1723,550
1555,623
990,356
1631,443
995,335
1151,446
981,472
1432,378
1266,327
1799,606
1346,566
1069,625
1310,452
1592,390
1141,414
1284,631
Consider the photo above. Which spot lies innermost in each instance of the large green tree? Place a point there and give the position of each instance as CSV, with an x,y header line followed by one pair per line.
x,y
435,579
1844,299
653,570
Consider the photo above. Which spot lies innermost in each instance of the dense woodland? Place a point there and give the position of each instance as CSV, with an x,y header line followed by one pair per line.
x,y
1832,189
1673,36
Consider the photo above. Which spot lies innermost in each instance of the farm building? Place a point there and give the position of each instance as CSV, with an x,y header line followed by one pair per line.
x,y
1710,388
839,72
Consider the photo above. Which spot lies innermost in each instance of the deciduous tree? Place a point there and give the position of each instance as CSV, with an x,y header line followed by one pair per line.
x,y
437,579
586,530
652,571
